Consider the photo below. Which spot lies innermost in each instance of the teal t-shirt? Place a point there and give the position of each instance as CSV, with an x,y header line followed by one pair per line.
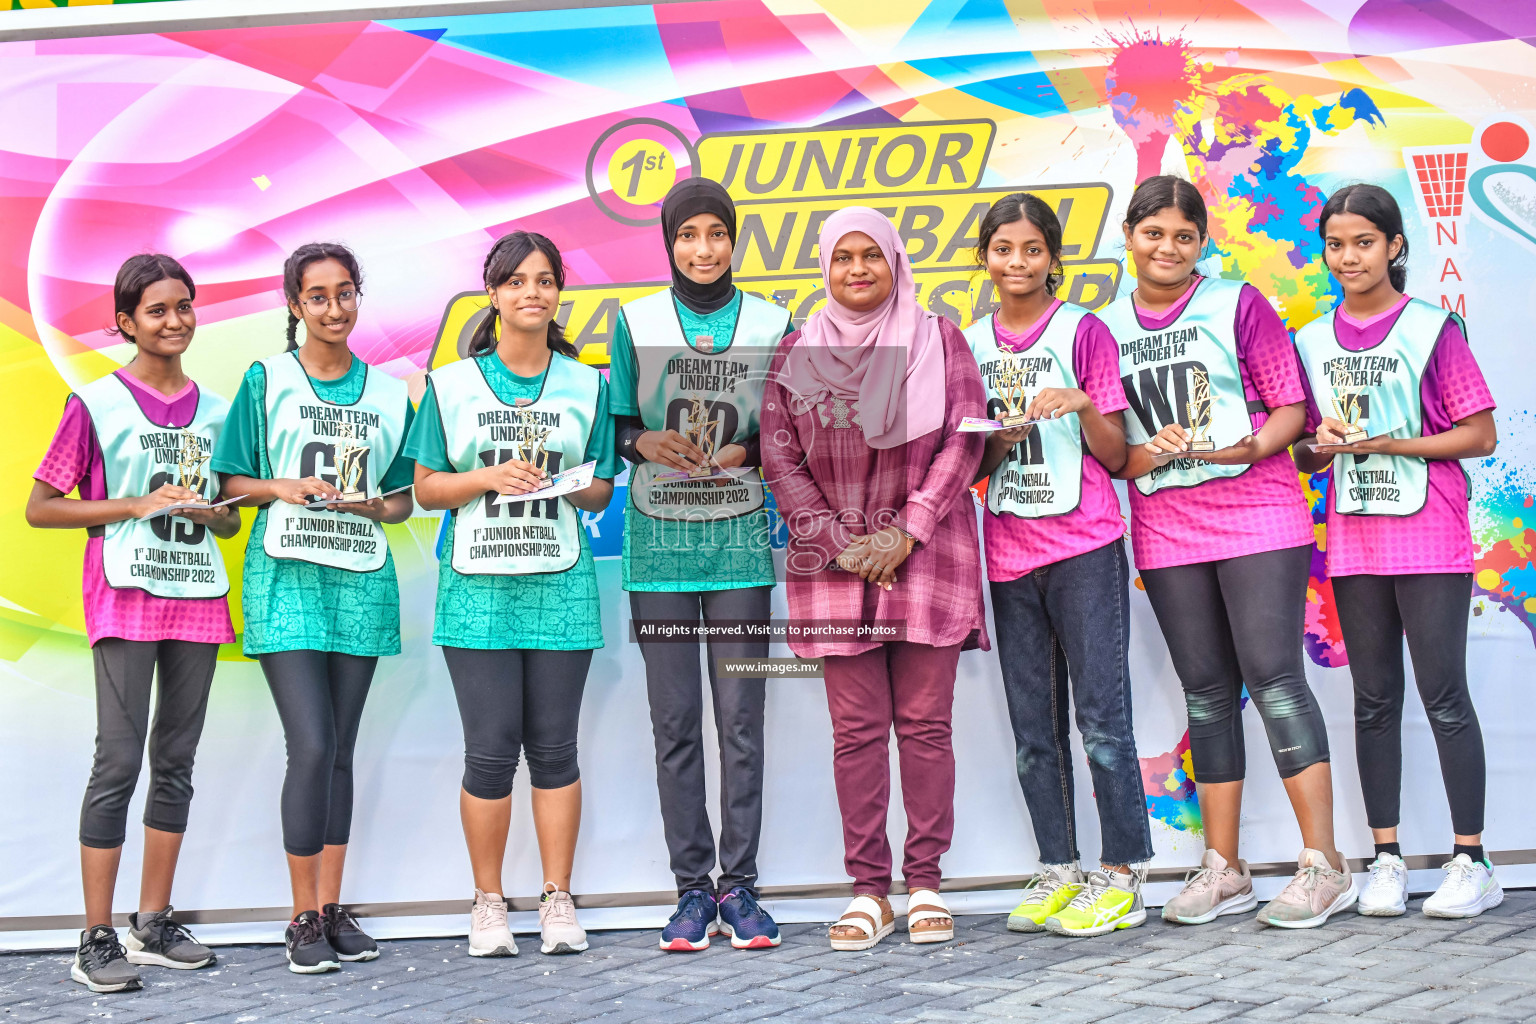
x,y
680,554
292,605
557,611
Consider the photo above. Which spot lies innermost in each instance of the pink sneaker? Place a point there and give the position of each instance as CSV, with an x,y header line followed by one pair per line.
x,y
1215,889
1315,894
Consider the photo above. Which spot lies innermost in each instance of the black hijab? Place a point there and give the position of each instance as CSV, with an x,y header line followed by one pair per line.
x,y
689,198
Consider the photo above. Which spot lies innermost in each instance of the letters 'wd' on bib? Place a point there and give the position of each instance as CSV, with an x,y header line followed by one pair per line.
x,y
1043,474
553,431
1382,385
674,376
168,556
303,434
1160,368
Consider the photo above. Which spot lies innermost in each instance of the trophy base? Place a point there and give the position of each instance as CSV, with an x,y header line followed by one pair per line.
x,y
1354,436
1013,421
701,472
353,496
1205,445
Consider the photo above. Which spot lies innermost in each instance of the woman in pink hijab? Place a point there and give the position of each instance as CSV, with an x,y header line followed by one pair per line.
x,y
862,449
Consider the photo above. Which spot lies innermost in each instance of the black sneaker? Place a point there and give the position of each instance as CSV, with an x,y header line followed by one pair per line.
x,y
308,951
101,964
348,940
157,939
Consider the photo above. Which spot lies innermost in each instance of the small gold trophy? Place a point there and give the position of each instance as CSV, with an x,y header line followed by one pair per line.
x,y
531,448
700,431
1199,407
192,464
347,457
1010,389
1346,404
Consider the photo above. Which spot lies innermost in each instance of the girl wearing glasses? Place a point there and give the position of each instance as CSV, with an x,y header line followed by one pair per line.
x,y
320,598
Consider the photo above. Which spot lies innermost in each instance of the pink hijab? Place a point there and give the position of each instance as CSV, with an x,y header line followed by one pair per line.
x,y
891,359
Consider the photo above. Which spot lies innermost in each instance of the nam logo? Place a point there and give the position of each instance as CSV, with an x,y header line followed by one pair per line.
x,y
925,177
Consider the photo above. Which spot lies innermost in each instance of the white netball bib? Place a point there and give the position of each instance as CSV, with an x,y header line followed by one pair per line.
x,y
1160,368
303,431
553,430
1380,385
717,382
168,556
1043,474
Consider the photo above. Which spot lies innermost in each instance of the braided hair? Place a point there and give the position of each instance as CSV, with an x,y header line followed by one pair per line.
x,y
293,276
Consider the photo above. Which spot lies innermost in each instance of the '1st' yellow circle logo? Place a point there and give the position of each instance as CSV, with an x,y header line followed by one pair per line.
x,y
641,171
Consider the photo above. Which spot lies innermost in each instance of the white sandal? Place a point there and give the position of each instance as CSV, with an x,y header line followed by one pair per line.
x,y
927,905
871,916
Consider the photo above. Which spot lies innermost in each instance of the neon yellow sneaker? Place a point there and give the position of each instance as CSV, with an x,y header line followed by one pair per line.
x,y
1107,901
1049,891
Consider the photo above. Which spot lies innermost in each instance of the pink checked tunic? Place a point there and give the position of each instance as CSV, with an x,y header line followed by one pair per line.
x,y
830,485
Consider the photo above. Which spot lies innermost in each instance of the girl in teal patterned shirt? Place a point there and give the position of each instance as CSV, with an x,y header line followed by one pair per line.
x,y
517,603
320,598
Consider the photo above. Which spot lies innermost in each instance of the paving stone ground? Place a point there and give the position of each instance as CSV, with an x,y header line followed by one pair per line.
x,y
1407,969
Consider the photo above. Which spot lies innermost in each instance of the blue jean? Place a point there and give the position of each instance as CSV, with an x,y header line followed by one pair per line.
x,y
1074,612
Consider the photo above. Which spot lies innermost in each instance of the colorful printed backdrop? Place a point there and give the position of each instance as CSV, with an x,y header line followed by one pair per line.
x,y
37,5
419,142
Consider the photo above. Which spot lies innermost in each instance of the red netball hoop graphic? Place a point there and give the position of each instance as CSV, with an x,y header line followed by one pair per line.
x,y
1440,178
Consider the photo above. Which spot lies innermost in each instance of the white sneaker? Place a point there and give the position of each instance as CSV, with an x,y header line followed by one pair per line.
x,y
1468,890
488,931
557,922
1386,894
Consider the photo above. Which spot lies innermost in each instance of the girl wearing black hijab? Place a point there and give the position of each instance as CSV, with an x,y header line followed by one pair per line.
x,y
686,381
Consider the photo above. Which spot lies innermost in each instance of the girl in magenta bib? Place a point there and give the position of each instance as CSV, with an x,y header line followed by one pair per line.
x,y
1400,371
1222,537
1057,566
155,604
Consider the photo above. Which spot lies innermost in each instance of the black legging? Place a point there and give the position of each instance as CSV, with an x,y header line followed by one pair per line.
x,y
518,700
319,697
1431,608
1233,621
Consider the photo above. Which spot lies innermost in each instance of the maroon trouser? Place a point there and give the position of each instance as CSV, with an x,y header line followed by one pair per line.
x,y
912,687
